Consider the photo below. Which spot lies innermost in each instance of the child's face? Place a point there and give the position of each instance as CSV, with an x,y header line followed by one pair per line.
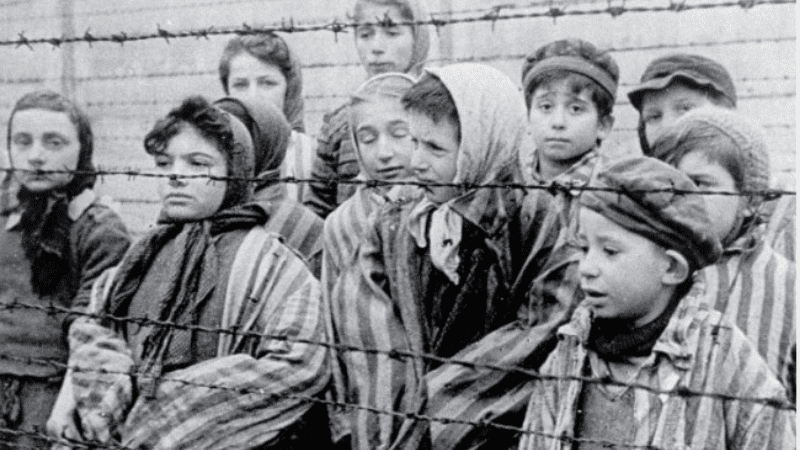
x,y
662,108
187,199
710,176
43,140
565,125
435,156
257,81
621,272
384,49
384,142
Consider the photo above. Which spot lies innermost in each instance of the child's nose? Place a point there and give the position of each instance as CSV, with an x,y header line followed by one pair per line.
x,y
36,154
558,118
385,150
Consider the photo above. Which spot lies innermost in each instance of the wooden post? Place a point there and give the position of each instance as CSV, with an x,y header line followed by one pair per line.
x,y
67,12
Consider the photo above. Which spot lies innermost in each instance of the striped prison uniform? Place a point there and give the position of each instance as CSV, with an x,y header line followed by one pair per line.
x,y
344,228
300,228
247,395
548,291
380,302
754,287
699,351
781,226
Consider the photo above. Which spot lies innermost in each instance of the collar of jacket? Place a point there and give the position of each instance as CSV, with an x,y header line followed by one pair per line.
x,y
678,342
75,209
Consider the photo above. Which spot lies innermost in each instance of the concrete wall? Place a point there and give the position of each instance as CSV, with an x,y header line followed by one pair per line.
x,y
125,88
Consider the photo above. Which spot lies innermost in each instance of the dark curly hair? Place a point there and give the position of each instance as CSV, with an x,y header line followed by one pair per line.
x,y
578,83
200,114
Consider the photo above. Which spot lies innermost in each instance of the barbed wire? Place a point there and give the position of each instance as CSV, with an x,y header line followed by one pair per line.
x,y
141,321
487,58
553,186
337,26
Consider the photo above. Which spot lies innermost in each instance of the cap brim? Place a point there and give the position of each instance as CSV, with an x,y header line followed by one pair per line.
x,y
657,84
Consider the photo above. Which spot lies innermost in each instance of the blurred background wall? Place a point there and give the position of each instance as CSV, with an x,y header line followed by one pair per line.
x,y
126,86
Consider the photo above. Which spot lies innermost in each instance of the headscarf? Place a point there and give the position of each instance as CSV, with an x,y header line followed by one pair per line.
x,y
271,49
493,121
387,85
45,222
270,135
420,33
194,271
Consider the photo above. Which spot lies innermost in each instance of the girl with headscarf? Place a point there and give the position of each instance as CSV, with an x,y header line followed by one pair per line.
x,y
300,228
210,264
263,69
383,145
432,276
55,240
382,48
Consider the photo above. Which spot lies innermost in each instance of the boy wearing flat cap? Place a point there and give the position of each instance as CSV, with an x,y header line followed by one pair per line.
x,y
752,284
644,361
675,84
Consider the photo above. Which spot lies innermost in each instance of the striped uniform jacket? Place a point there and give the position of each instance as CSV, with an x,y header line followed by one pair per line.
x,y
781,226
754,287
344,228
243,398
299,228
699,351
335,160
547,289
375,304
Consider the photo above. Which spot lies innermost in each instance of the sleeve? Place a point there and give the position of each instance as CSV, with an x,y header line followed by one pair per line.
x,y
331,163
755,425
101,243
251,399
100,364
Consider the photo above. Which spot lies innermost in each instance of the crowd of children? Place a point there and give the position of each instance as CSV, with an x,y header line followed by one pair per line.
x,y
636,302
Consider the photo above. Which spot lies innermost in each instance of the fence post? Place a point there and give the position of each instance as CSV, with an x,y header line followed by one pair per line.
x,y
67,12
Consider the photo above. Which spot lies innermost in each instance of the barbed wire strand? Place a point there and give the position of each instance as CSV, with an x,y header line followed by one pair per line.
x,y
507,56
337,26
552,186
53,309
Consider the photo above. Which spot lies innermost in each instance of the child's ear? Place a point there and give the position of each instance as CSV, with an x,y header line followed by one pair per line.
x,y
678,270
604,126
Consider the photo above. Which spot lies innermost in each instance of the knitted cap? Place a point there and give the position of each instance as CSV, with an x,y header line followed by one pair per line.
x,y
674,221
748,140
697,69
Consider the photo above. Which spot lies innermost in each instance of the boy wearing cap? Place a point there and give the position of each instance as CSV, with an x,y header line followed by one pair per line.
x,y
674,84
643,361
570,87
752,285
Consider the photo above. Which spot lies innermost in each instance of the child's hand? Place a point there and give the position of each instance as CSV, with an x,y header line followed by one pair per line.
x,y
61,424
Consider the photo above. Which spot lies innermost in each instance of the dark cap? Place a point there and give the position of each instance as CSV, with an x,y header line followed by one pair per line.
x,y
696,69
641,198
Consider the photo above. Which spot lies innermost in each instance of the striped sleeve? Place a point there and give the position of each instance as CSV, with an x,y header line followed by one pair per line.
x,y
781,227
300,228
245,400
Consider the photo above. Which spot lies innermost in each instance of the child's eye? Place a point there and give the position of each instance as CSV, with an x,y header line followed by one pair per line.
x,y
652,118
545,107
162,162
577,108
199,162
22,140
400,132
265,82
239,84
54,143
610,251
364,33
366,137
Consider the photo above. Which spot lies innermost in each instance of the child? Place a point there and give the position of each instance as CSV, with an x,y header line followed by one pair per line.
x,y
675,84
644,324
209,264
263,69
382,48
380,134
752,285
433,276
300,228
53,245
570,87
